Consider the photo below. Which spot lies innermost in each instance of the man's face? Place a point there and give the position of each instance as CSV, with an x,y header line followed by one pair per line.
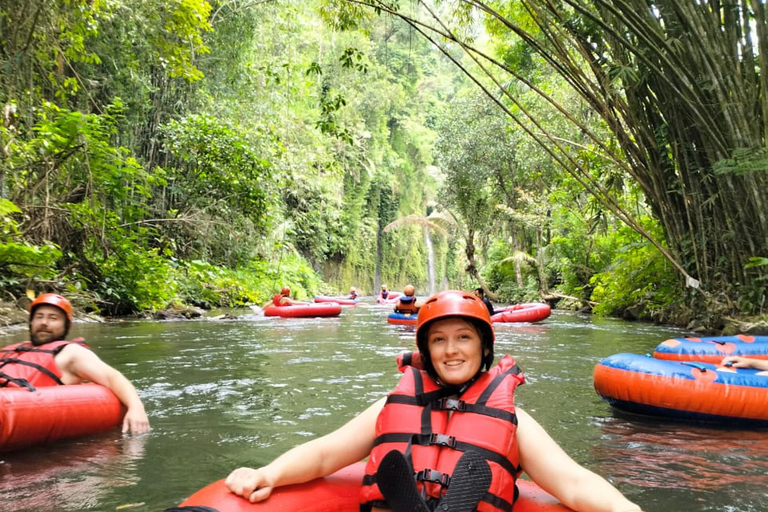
x,y
48,324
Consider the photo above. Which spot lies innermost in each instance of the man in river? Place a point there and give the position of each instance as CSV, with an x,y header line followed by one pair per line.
x,y
284,299
480,294
48,359
407,304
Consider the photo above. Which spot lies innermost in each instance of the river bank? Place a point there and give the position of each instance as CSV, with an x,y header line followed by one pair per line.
x,y
714,321
14,316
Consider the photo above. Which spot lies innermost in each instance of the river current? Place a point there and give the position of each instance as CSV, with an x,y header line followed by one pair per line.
x,y
228,393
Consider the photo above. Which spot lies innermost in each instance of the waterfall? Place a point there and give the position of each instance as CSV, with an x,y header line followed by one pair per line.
x,y
430,261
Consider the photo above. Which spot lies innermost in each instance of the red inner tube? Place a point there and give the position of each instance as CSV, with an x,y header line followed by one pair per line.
x,y
304,310
55,412
338,493
530,312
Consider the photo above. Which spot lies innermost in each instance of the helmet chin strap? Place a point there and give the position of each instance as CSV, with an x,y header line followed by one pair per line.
x,y
456,389
471,381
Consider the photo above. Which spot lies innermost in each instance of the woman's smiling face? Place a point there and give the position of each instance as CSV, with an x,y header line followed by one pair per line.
x,y
455,348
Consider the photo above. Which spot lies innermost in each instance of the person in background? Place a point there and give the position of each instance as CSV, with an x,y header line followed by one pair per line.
x,y
407,304
284,299
745,362
47,359
352,293
480,294
448,437
384,292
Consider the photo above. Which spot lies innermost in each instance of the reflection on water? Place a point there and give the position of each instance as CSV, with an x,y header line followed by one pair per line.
x,y
683,456
76,475
713,465
224,394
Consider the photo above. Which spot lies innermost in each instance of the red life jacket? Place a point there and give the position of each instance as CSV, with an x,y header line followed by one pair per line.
x,y
406,305
26,365
415,420
276,300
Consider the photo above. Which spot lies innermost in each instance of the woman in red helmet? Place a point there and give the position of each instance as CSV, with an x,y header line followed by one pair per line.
x,y
449,437
47,359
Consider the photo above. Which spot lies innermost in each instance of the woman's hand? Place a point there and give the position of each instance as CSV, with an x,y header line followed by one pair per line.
x,y
252,484
745,362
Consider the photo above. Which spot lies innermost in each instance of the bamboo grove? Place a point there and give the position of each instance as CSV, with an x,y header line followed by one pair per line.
x,y
680,88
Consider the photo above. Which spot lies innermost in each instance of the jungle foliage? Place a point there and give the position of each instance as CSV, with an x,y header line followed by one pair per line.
x,y
608,152
198,152
667,97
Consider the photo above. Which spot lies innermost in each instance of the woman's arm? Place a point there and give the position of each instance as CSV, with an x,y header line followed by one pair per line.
x,y
314,459
745,362
552,469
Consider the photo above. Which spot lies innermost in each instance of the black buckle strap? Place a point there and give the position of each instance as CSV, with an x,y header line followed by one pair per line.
x,y
22,383
442,440
455,404
48,373
451,404
33,348
435,477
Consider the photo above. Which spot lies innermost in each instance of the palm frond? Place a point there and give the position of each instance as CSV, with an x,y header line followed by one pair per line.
x,y
418,220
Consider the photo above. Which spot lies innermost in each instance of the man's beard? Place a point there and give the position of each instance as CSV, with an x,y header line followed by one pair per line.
x,y
38,339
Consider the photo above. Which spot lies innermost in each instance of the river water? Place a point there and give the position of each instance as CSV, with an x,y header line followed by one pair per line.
x,y
228,393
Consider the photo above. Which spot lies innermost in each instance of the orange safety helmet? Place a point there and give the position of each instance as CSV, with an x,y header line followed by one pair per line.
x,y
52,299
285,291
454,303
55,300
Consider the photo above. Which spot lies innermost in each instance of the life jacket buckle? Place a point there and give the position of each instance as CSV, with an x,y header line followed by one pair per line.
x,y
452,404
442,440
432,476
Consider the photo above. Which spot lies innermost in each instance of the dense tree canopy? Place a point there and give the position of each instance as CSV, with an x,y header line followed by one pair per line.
x,y
208,152
678,87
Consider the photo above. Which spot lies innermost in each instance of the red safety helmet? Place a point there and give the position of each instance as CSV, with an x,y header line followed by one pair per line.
x,y
454,303
52,299
285,291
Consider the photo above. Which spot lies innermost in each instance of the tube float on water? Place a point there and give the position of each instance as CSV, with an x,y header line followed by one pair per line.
x,y
304,310
685,390
344,301
51,413
339,492
401,319
712,349
528,312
